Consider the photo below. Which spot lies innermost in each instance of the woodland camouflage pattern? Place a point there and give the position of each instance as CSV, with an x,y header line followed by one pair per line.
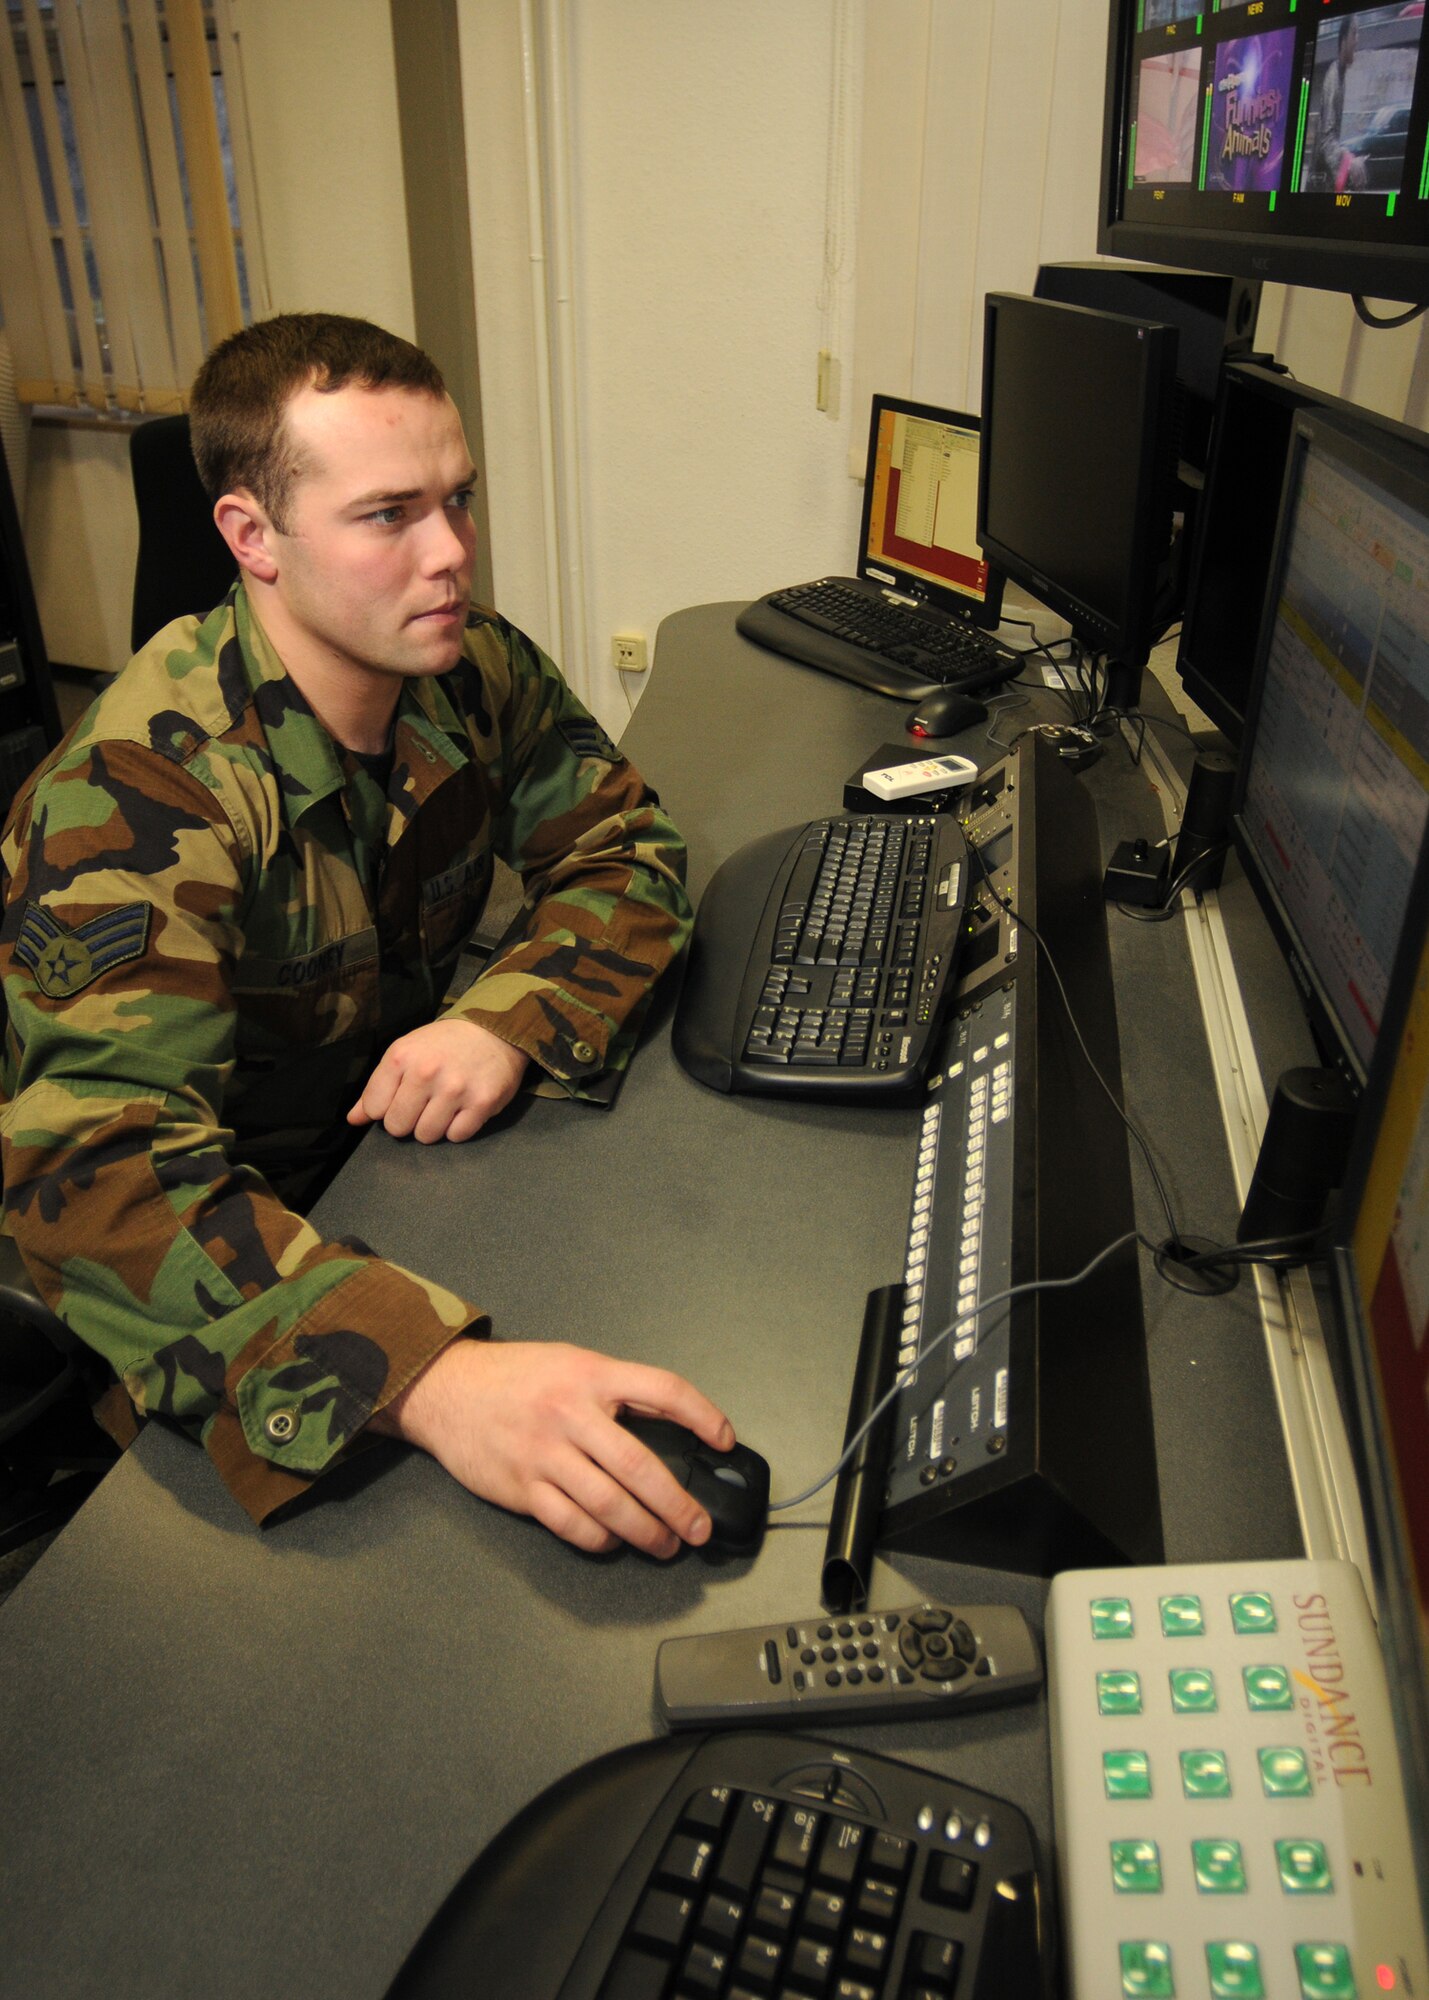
x,y
214,924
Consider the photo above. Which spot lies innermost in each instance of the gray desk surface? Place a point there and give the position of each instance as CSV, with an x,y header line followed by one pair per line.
x,y
232,1760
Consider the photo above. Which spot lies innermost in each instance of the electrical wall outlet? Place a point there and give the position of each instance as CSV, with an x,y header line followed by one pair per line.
x,y
628,653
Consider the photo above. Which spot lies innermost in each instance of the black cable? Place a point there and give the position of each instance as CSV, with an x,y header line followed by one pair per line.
x,y
1378,320
1016,915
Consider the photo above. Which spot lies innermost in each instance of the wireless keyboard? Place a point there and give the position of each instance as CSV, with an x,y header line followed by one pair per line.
x,y
742,1867
822,957
1229,1812
861,635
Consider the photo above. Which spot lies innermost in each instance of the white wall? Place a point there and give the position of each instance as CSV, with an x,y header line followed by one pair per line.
x,y
698,139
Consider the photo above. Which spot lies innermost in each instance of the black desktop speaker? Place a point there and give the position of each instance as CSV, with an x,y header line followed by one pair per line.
x,y
1302,1155
1200,850
1214,319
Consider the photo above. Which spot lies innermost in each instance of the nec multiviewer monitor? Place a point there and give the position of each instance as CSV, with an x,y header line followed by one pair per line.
x,y
1280,141
1078,466
1332,800
1234,535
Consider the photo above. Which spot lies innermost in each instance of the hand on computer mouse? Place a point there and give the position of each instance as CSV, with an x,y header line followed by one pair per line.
x,y
531,1425
732,1483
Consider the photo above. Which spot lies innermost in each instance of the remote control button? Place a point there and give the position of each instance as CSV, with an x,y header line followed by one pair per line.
x,y
1112,1618
1304,1868
854,1677
1119,1694
833,1678
1284,1773
829,1653
875,1673
1253,1611
903,1677
1136,1867
944,1672
865,1627
1126,1774
935,1646
870,1649
1267,1687
1219,1867
808,1656
1205,1774
791,1639
1181,1614
1193,1691
849,1652
910,1646
1234,1971
825,1632
964,1640
801,1680
930,1619
1146,1970
1325,1972
845,1631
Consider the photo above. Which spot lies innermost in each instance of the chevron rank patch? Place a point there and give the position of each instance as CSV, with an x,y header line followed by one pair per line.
x,y
587,738
65,961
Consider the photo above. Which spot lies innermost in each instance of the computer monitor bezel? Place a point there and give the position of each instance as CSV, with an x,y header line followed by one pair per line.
x,y
1401,468
1130,637
892,575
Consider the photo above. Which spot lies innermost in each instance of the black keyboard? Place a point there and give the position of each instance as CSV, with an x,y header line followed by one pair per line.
x,y
857,633
747,1867
822,957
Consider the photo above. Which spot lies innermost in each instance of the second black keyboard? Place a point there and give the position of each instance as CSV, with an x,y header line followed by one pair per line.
x,y
904,648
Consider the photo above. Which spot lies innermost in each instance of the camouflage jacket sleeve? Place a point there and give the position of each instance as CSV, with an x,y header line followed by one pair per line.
x,y
602,869
215,1305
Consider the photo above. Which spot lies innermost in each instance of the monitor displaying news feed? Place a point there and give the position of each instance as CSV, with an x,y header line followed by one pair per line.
x,y
1333,789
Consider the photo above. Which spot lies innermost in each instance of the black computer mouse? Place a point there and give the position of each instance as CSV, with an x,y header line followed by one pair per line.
x,y
732,1486
944,712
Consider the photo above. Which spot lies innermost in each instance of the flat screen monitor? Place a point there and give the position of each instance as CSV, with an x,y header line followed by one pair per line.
x,y
1332,793
1275,141
1078,467
1382,1282
919,531
1234,536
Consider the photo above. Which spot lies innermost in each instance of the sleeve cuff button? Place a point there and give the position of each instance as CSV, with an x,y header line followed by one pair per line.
x,y
582,1052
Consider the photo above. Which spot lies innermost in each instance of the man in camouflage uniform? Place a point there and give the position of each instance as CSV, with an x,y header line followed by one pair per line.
x,y
234,898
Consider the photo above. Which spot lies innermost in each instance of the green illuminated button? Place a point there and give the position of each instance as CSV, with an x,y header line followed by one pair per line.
x,y
1119,1693
1126,1774
1146,1970
1136,1867
1220,1871
1193,1691
1267,1687
1181,1614
1235,1972
1205,1774
1285,1774
1324,1971
1304,1868
1253,1611
1111,1618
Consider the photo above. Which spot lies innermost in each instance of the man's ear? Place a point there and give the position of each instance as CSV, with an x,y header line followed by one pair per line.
x,y
248,532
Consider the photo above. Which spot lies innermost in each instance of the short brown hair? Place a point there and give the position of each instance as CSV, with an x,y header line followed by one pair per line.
x,y
240,395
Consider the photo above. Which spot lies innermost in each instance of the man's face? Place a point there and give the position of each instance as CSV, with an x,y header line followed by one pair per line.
x,y
375,564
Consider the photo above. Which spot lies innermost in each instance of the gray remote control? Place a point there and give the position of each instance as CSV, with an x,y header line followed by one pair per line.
x,y
872,1666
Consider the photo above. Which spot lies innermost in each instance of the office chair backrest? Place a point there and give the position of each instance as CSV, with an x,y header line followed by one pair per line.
x,y
184,565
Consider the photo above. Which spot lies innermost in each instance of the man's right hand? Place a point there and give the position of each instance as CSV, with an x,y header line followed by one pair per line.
x,y
532,1426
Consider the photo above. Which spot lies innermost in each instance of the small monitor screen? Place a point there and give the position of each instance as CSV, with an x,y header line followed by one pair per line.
x,y
1334,803
1078,463
920,501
